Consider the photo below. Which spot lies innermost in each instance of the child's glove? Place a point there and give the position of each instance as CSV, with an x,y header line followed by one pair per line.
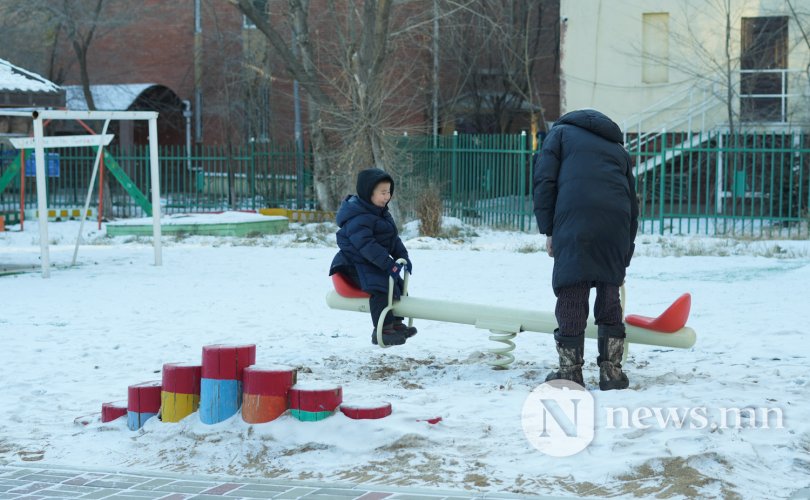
x,y
393,271
409,266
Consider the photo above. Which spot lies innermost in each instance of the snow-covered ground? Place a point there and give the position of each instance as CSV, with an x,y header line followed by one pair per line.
x,y
82,336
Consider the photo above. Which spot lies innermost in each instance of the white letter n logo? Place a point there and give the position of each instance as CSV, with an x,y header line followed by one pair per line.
x,y
567,422
558,418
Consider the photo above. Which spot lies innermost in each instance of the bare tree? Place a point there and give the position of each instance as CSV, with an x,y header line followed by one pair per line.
x,y
348,79
494,51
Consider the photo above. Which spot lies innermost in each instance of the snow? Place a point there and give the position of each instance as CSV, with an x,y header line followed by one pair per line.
x,y
227,217
118,97
80,338
14,78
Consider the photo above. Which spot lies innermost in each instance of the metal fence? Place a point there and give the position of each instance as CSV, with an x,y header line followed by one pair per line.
x,y
210,179
750,185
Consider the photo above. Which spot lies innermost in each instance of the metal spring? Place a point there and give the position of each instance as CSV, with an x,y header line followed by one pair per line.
x,y
503,355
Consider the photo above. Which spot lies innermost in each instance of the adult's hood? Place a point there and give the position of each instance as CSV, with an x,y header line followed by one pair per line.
x,y
368,179
595,122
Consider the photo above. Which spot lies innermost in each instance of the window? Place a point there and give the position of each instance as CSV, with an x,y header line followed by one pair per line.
x,y
763,64
655,48
261,6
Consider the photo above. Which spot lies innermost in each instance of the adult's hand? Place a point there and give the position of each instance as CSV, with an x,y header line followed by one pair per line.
x,y
549,247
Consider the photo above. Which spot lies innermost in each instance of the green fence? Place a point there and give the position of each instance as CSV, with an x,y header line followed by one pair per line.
x,y
482,179
755,185
209,179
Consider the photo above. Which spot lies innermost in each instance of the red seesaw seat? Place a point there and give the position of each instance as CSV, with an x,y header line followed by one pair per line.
x,y
345,288
670,321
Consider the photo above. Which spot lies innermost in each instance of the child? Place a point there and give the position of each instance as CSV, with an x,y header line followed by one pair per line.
x,y
369,248
585,198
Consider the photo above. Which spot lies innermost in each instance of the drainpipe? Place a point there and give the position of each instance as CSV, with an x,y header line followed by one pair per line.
x,y
187,114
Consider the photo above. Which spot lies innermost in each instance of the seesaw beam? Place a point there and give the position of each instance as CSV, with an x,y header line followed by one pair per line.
x,y
504,319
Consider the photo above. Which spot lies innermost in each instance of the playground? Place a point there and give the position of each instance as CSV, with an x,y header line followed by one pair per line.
x,y
81,337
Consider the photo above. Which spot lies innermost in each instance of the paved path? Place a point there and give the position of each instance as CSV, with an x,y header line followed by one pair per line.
x,y
42,481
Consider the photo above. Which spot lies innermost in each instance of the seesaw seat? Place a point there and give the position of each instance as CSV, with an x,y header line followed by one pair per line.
x,y
670,321
345,288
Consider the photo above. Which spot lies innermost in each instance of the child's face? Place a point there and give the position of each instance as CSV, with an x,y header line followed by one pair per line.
x,y
381,195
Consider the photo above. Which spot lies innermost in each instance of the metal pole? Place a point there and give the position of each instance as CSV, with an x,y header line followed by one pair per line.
x,y
42,195
435,96
154,164
299,140
187,114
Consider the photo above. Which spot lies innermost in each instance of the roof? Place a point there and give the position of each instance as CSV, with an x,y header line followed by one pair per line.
x,y
15,79
106,97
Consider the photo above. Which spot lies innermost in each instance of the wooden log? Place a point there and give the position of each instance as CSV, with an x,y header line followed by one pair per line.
x,y
221,384
314,401
181,391
143,403
363,411
113,410
266,391
219,399
227,362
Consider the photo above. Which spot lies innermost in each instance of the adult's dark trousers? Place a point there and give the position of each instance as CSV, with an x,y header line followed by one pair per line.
x,y
572,307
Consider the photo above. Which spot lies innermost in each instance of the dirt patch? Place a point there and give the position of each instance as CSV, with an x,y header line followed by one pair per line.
x,y
673,477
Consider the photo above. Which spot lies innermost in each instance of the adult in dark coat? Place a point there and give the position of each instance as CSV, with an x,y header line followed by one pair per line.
x,y
585,203
369,247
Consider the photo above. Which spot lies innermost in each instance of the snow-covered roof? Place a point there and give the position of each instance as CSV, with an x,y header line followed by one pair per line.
x,y
15,79
117,97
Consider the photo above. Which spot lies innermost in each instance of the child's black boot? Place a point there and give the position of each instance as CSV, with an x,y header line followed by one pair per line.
x,y
401,327
389,336
611,350
570,350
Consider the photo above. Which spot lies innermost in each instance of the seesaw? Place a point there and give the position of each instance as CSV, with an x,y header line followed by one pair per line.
x,y
668,330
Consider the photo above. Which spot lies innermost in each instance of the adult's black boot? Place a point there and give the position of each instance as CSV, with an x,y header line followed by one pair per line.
x,y
611,350
570,350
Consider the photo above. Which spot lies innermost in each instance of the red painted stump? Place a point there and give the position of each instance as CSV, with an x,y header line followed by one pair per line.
x,y
227,362
113,410
144,397
143,403
265,393
314,401
364,411
182,378
221,385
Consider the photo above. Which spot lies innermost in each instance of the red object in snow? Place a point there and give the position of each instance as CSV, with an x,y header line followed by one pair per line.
x,y
111,411
366,412
315,399
670,321
182,378
144,397
434,420
269,381
226,362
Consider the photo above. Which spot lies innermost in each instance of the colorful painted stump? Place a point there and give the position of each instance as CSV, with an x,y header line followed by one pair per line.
x,y
312,401
221,385
114,410
266,392
180,396
143,403
365,411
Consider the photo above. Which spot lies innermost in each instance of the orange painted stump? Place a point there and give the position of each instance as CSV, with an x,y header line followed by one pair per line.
x,y
266,392
181,391
314,401
143,403
221,384
366,411
113,410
